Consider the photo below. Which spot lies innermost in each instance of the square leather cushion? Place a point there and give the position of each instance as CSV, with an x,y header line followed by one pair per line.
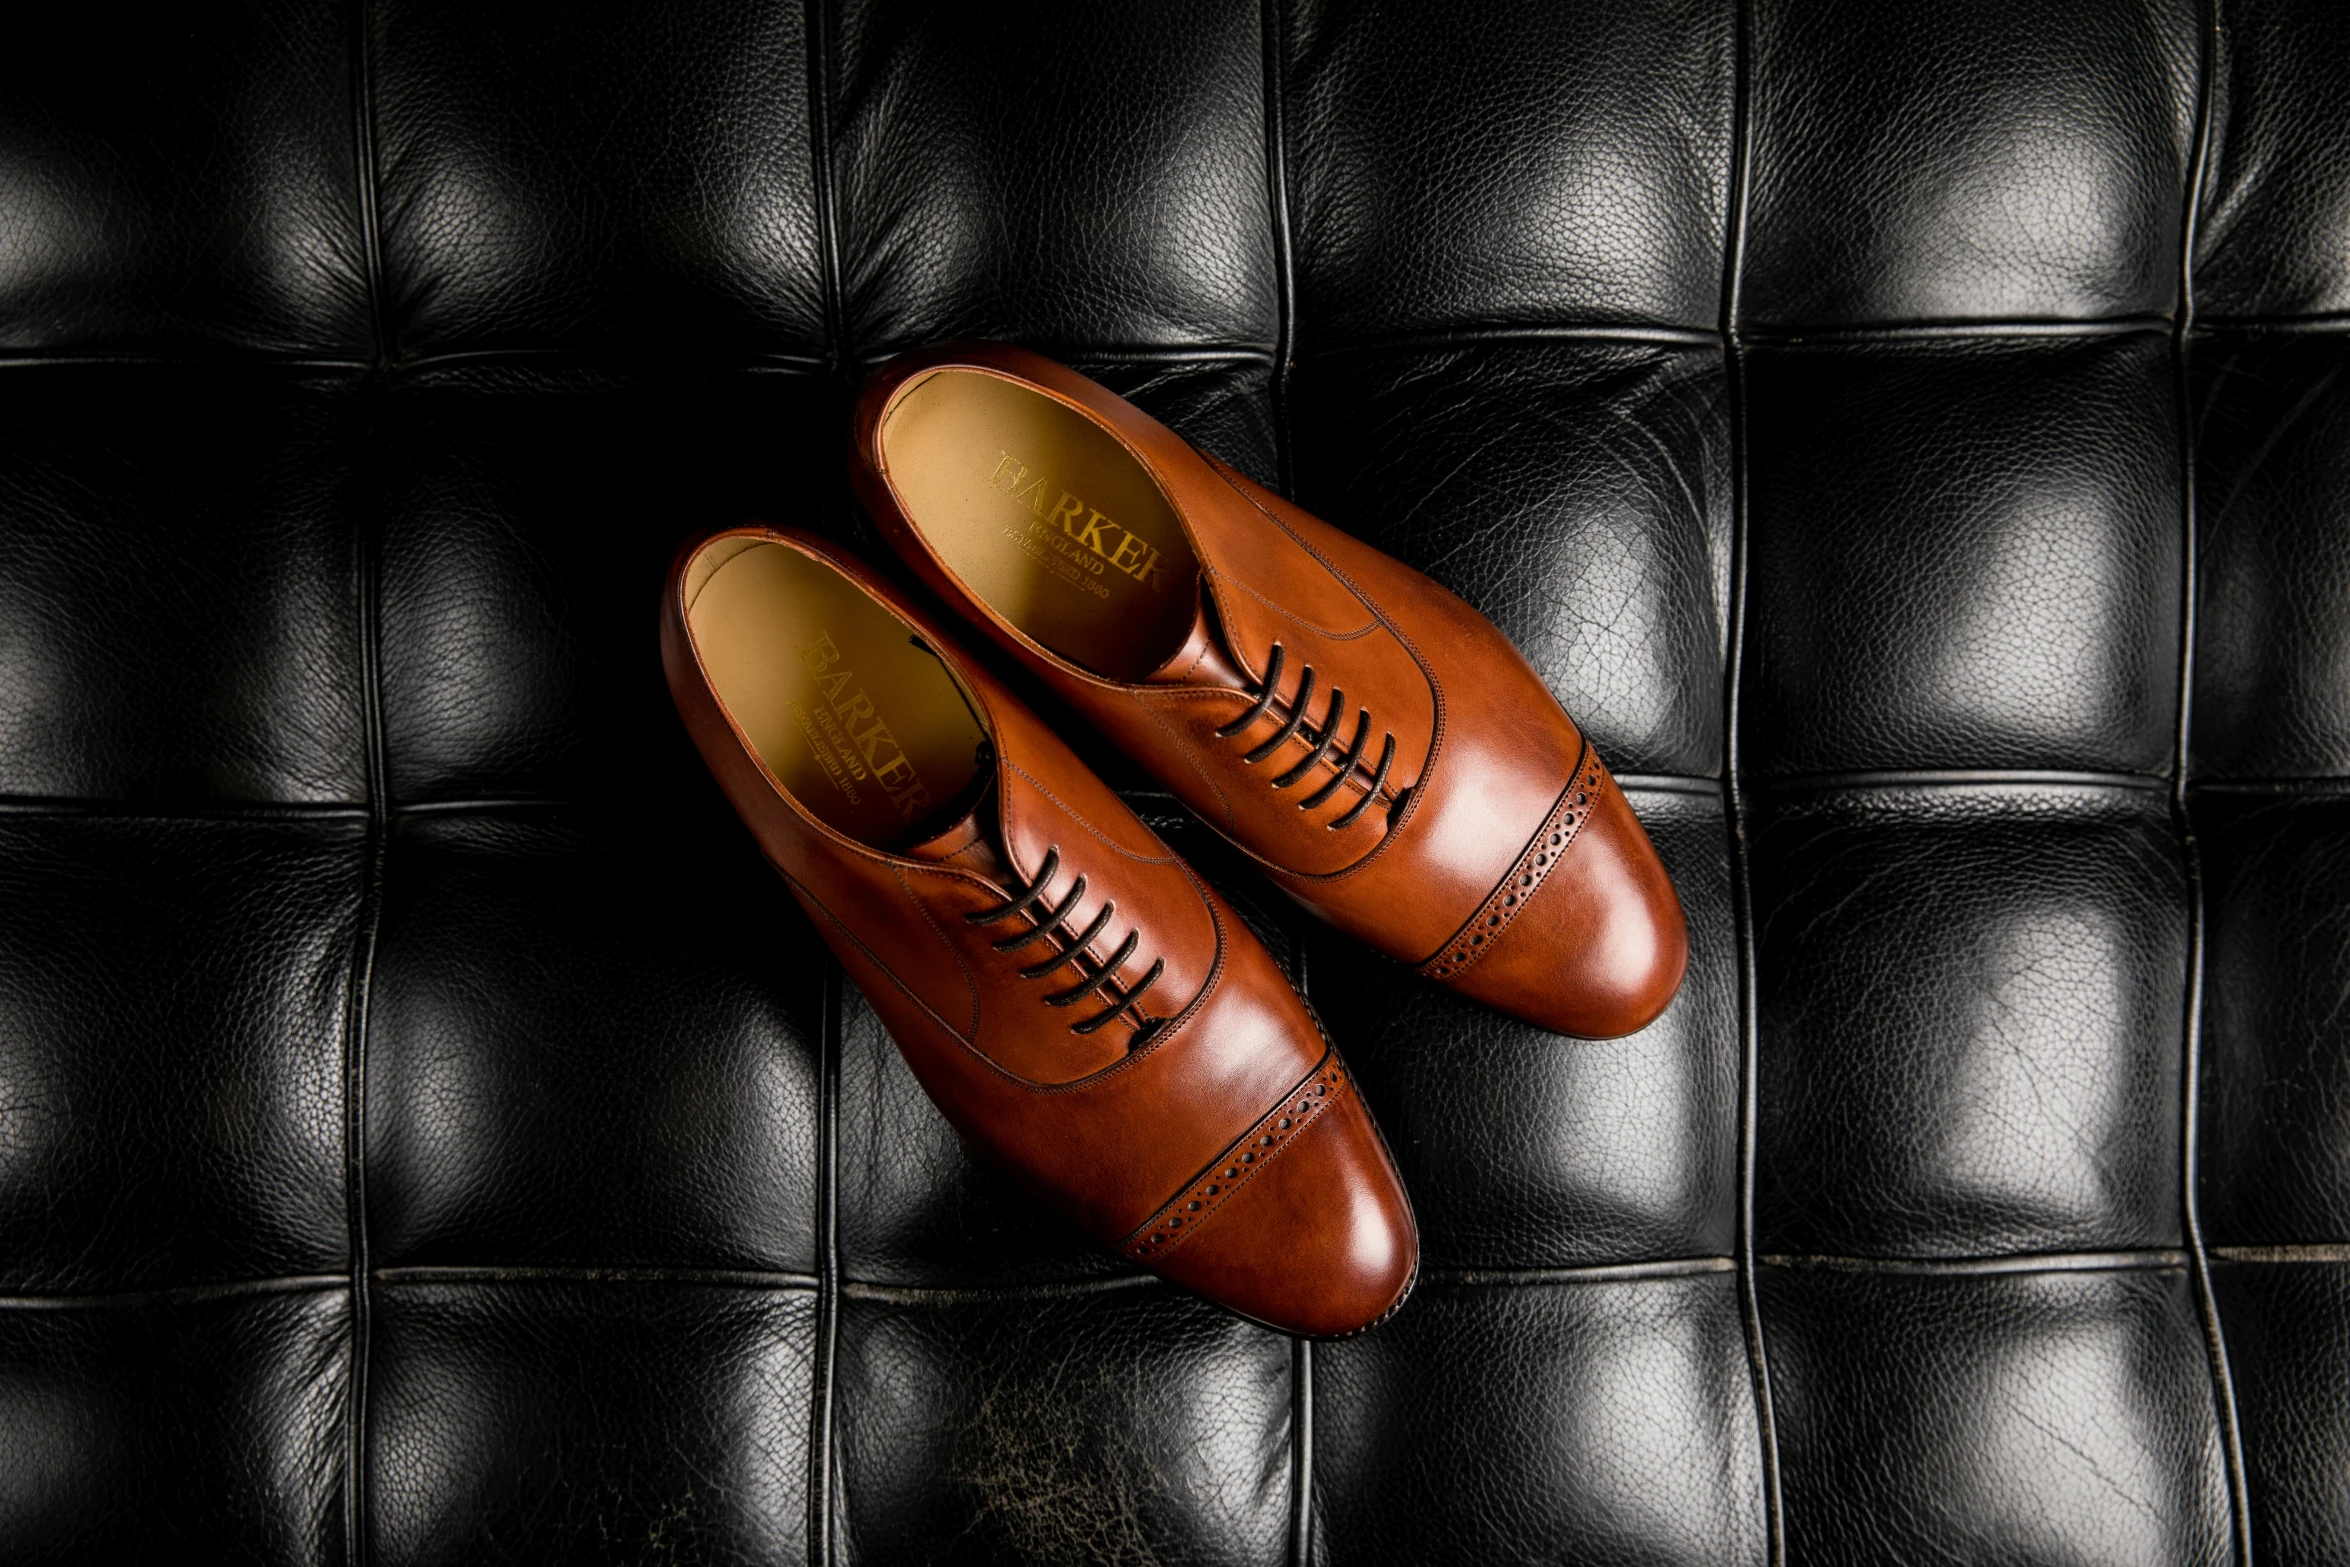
x,y
1910,439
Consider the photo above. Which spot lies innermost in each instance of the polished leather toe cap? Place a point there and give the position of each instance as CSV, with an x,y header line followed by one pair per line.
x,y
1321,1242
1600,950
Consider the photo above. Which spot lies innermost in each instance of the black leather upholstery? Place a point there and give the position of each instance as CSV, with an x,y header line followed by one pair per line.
x,y
1914,439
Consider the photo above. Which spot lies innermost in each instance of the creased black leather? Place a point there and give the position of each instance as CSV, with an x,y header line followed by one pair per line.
x,y
1911,439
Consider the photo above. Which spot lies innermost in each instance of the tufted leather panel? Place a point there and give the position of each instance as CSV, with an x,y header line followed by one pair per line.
x,y
1911,438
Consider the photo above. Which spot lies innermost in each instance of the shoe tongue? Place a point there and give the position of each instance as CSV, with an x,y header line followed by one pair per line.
x,y
968,841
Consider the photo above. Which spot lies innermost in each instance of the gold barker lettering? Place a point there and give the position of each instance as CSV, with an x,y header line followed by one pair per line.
x,y
1132,554
896,774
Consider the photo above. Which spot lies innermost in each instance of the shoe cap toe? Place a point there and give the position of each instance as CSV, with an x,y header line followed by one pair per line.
x,y
1319,1242
1600,950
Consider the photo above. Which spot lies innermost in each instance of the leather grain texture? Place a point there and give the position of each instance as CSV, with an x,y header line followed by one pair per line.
x,y
1910,439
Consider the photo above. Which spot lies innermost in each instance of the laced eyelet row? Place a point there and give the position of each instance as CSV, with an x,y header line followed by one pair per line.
x,y
1321,735
1096,982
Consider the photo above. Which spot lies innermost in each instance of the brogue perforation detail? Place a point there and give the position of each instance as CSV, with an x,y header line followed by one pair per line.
x,y
1260,1145
1516,890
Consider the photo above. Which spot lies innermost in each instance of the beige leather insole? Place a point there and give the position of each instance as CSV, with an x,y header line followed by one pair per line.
x,y
1047,518
866,730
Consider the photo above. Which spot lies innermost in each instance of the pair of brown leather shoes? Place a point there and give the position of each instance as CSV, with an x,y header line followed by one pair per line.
x,y
1078,1002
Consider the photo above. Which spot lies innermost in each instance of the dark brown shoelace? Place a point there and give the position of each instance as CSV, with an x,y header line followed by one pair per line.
x,y
1321,736
1099,979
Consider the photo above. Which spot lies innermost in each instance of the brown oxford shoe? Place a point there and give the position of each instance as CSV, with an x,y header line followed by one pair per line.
x,y
1384,752
1078,1002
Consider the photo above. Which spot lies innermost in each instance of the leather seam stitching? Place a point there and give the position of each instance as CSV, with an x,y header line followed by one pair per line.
x,y
1180,1020
870,956
2226,1413
1498,915
1209,1192
1190,753
1435,686
1436,730
370,527
1170,1027
970,983
1078,817
1164,1034
1292,616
